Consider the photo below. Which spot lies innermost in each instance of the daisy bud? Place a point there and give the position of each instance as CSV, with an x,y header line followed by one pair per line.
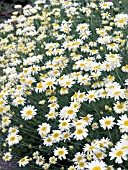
x,y
101,48
71,147
42,102
106,107
30,159
21,126
101,112
4,130
40,146
27,92
30,146
10,149
46,166
4,144
110,109
110,144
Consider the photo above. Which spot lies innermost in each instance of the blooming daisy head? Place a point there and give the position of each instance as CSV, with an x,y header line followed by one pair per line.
x,y
28,112
7,156
23,161
96,165
61,153
107,122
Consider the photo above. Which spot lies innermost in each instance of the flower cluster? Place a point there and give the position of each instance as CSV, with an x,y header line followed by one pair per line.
x,y
63,99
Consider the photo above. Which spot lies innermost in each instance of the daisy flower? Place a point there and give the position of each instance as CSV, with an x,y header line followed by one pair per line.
x,y
13,130
19,101
82,27
90,148
113,47
53,160
106,5
78,157
44,128
123,123
50,82
87,119
118,154
40,160
7,156
12,139
107,122
28,112
56,135
91,96
72,168
35,155
61,152
23,161
5,121
67,113
96,165
40,87
64,125
81,165
48,141
125,68
80,133
120,107
121,20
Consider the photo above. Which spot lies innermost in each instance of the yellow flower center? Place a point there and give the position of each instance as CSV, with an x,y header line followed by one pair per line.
x,y
39,85
66,136
121,21
91,148
61,152
119,153
117,93
82,65
105,5
56,135
81,164
23,160
1,102
12,138
91,96
5,120
96,168
79,158
112,56
104,93
83,27
86,118
29,82
64,124
125,147
99,155
70,112
6,157
43,128
29,112
50,83
68,83
112,45
107,122
81,96
126,67
19,101
13,130
79,131
49,140
120,106
126,122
